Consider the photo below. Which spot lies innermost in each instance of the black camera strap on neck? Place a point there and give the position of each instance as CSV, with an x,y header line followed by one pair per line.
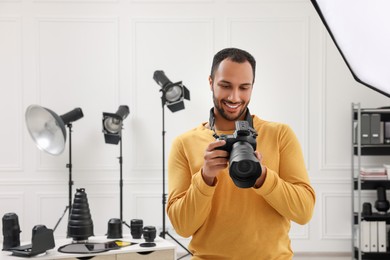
x,y
248,118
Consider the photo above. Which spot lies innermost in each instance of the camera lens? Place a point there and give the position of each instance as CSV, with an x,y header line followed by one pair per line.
x,y
244,166
136,226
11,231
149,233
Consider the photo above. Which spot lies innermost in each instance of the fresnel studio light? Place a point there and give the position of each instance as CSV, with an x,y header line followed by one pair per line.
x,y
173,95
47,129
113,123
112,129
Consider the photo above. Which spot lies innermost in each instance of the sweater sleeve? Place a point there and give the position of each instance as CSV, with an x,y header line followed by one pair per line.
x,y
189,201
289,191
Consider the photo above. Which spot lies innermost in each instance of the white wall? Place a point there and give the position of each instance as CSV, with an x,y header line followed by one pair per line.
x,y
98,54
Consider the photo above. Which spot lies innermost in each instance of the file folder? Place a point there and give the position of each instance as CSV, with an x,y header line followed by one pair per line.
x,y
373,236
375,130
365,129
365,236
382,236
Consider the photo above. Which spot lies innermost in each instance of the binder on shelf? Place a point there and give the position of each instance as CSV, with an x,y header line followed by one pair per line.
x,y
382,132
387,132
382,236
365,236
373,236
375,130
365,129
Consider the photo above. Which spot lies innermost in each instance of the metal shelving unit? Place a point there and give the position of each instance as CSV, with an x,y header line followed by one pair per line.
x,y
358,150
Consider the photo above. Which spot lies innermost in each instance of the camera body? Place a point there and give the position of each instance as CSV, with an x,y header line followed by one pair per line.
x,y
242,133
244,167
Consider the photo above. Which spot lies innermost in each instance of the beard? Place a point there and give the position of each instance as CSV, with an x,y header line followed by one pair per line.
x,y
225,115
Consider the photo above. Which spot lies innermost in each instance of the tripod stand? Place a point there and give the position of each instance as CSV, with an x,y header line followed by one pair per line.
x,y
164,195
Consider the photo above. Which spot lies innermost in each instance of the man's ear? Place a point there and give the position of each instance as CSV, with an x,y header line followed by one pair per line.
x,y
211,83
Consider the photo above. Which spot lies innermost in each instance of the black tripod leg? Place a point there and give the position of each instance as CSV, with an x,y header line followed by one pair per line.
x,y
58,222
185,248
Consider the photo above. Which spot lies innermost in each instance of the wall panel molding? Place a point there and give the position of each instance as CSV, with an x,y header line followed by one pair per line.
x,y
326,165
146,205
13,202
300,232
332,209
11,155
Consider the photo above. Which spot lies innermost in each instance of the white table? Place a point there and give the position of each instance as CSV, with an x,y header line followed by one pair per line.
x,y
164,250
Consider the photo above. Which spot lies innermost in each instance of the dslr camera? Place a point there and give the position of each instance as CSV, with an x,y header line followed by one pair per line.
x,y
244,167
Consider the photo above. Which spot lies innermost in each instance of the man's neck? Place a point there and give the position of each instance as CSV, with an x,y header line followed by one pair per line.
x,y
223,124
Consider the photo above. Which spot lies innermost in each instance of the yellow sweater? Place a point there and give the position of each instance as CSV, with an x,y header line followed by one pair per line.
x,y
227,222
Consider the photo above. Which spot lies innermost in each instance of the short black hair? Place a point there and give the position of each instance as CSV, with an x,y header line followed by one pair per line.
x,y
233,54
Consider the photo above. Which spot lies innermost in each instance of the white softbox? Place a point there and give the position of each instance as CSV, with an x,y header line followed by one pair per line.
x,y
361,31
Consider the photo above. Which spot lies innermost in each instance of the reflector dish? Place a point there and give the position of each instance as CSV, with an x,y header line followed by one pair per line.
x,y
46,128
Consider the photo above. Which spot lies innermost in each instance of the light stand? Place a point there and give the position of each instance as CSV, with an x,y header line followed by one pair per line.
x,y
69,166
70,182
48,132
173,95
120,180
112,129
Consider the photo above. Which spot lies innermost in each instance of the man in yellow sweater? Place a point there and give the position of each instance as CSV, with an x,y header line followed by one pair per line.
x,y
224,220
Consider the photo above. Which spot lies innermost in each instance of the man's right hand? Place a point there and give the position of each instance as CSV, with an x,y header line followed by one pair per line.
x,y
214,161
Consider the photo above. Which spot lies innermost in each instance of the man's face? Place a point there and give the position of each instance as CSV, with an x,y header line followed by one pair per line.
x,y
232,88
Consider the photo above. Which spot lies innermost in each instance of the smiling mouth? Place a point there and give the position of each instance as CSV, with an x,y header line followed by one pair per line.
x,y
232,105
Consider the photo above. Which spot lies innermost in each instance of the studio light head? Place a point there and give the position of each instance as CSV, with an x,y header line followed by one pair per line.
x,y
47,129
113,123
173,94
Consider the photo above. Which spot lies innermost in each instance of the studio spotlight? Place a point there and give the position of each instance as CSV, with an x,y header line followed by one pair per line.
x,y
173,94
47,129
112,124
112,129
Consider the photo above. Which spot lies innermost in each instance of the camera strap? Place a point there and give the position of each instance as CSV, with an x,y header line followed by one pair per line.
x,y
248,118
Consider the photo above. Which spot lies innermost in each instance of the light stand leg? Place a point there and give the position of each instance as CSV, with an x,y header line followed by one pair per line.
x,y
164,195
59,220
120,179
